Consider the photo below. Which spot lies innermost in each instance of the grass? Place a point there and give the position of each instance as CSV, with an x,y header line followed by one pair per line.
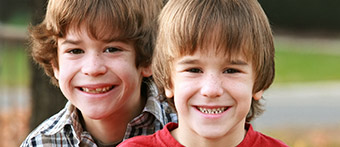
x,y
307,61
293,66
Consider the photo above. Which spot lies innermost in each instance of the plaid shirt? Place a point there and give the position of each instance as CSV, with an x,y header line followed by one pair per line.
x,y
65,129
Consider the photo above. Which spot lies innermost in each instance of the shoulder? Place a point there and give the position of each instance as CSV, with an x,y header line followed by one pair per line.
x,y
254,138
160,138
49,130
140,141
40,133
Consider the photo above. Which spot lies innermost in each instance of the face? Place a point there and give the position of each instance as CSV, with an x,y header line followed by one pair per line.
x,y
212,95
99,78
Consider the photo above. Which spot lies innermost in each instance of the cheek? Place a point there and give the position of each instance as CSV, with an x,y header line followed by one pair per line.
x,y
241,92
184,91
67,70
242,95
127,72
184,87
66,74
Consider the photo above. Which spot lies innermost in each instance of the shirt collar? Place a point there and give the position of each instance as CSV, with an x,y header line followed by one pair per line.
x,y
67,117
153,106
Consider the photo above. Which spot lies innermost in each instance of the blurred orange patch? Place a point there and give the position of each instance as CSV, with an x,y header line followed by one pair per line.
x,y
14,126
317,136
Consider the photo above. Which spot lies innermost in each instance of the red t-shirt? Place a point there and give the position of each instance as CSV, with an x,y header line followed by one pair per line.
x,y
163,138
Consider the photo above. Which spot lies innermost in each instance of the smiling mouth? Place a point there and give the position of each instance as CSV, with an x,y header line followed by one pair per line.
x,y
96,90
212,110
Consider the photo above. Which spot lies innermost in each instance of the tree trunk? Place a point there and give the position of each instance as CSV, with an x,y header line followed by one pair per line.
x,y
46,98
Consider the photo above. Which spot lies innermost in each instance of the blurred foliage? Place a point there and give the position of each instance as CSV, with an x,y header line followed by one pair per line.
x,y
322,15
21,19
10,9
302,136
14,66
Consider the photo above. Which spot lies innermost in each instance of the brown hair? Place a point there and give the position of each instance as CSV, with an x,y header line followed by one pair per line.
x,y
132,20
241,27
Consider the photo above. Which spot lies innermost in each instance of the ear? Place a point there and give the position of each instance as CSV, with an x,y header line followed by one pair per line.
x,y
258,95
146,71
55,71
169,93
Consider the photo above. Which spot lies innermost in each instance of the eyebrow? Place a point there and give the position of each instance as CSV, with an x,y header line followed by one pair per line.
x,y
195,61
76,42
124,41
69,41
238,62
188,61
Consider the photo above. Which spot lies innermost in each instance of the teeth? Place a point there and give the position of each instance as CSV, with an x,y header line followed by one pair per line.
x,y
97,90
212,111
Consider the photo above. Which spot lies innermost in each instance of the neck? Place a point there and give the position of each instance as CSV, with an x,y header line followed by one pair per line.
x,y
111,129
99,129
231,139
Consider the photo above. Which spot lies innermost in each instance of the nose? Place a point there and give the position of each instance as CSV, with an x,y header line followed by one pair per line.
x,y
94,65
212,87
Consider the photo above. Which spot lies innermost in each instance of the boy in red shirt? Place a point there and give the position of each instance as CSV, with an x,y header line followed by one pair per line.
x,y
213,59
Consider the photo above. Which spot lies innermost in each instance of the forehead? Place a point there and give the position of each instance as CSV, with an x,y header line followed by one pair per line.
x,y
98,32
81,34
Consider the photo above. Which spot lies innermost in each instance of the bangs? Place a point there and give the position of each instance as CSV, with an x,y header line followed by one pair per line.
x,y
209,25
221,38
103,20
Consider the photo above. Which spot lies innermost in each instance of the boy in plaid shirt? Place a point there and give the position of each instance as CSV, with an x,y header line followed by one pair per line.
x,y
99,53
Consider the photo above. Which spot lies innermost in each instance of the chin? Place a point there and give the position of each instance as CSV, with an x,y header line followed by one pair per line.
x,y
212,133
95,114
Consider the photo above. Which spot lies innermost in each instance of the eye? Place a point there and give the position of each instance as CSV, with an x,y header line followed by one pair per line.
x,y
231,70
76,51
194,70
112,50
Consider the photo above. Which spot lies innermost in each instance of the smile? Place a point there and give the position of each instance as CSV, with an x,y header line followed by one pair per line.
x,y
212,111
97,90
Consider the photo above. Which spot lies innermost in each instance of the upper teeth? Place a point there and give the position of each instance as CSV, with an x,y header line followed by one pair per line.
x,y
97,90
212,111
